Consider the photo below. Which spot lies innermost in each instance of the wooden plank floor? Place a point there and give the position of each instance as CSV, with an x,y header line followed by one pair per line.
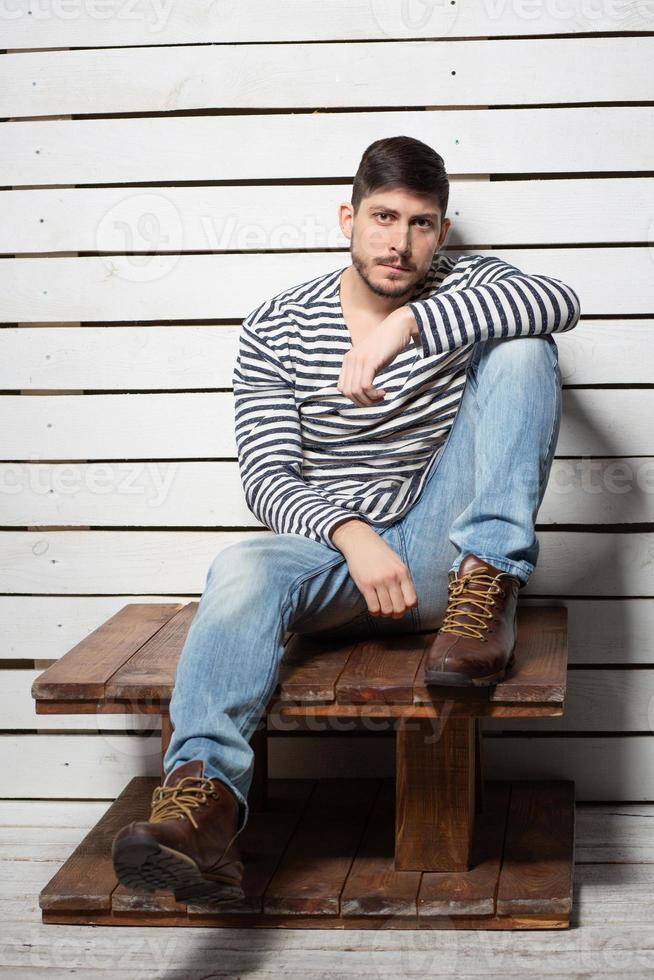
x,y
611,934
321,855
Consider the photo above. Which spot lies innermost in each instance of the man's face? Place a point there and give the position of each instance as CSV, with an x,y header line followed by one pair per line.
x,y
393,237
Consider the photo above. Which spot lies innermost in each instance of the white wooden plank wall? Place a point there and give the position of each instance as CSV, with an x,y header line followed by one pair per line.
x,y
161,174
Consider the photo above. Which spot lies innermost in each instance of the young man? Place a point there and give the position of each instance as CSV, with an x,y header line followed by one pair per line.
x,y
395,422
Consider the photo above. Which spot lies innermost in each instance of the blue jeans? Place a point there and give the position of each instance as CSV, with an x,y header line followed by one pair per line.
x,y
484,488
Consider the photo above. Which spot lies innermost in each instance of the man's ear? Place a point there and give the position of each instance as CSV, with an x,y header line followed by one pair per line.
x,y
346,218
445,230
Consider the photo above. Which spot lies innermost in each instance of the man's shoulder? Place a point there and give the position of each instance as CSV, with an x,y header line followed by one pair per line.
x,y
301,295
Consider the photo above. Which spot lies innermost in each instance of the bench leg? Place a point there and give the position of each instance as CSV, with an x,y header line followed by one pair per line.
x,y
435,793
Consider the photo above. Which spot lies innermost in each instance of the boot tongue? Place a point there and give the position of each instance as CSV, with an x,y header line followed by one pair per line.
x,y
193,768
471,565
471,562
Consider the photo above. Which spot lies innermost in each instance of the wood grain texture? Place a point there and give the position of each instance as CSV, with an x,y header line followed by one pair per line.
x,y
284,216
374,886
229,285
149,674
87,880
536,874
85,670
321,856
318,859
242,21
329,75
435,794
472,892
381,670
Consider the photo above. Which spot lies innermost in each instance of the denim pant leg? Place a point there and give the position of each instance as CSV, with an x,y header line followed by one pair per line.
x,y
256,590
488,481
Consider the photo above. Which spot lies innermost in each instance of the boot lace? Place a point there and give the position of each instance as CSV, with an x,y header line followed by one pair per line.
x,y
483,597
175,802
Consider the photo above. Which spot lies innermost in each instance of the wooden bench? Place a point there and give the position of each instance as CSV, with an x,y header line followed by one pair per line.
x,y
439,846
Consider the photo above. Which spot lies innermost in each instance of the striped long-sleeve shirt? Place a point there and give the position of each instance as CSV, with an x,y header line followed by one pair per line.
x,y
309,457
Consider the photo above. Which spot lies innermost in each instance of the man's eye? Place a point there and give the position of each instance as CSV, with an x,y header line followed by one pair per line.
x,y
382,214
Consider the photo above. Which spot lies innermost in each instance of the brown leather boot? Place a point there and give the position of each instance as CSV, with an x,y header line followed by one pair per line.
x,y
188,844
475,644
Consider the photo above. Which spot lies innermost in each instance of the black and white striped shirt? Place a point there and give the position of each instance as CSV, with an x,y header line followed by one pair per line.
x,y
309,457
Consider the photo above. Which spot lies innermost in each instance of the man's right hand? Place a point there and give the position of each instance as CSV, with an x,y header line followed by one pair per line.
x,y
378,572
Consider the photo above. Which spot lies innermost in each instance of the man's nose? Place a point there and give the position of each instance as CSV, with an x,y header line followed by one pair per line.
x,y
401,241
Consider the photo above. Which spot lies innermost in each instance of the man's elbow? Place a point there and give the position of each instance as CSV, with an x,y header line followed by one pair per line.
x,y
574,309
569,306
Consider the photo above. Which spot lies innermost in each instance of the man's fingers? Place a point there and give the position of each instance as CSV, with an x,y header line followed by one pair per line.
x,y
409,592
355,383
385,601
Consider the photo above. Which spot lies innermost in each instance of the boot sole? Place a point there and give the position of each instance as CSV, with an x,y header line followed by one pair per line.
x,y
455,679
148,866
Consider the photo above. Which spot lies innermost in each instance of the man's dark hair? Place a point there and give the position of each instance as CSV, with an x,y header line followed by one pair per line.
x,y
401,161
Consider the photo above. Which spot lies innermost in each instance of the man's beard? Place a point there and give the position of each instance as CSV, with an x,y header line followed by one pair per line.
x,y
389,289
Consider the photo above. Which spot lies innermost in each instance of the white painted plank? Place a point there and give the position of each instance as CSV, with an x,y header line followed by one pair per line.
x,y
326,75
16,815
600,945
99,766
606,631
209,494
592,950
122,358
570,563
180,358
46,627
128,287
179,287
589,139
198,425
160,557
601,631
596,701
277,217
599,491
606,352
621,833
295,20
17,711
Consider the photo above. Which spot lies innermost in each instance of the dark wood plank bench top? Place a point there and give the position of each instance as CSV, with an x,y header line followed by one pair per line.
x,y
130,661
